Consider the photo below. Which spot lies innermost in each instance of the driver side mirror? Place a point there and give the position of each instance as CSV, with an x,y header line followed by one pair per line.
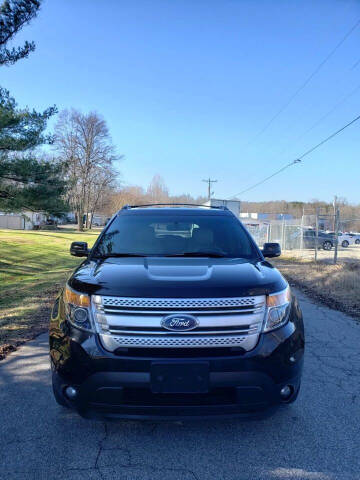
x,y
271,250
79,249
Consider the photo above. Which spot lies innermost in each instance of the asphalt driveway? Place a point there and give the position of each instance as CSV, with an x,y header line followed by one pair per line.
x,y
317,438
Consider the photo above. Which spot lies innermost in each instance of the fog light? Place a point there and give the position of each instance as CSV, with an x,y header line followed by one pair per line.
x,y
286,392
71,392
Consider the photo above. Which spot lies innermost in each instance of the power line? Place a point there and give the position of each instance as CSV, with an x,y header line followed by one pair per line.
x,y
307,81
329,112
355,65
329,137
323,117
299,159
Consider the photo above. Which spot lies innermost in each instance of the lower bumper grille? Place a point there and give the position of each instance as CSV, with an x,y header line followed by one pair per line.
x,y
143,396
113,342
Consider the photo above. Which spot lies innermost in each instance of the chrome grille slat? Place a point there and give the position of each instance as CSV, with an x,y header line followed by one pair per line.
x,y
192,332
190,312
181,303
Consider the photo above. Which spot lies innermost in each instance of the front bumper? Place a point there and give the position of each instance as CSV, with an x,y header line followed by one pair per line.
x,y
120,386
127,395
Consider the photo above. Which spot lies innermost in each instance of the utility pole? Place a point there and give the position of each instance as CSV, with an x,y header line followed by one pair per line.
x,y
209,182
337,224
317,233
302,231
336,229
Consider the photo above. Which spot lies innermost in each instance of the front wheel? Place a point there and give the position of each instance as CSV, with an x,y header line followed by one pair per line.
x,y
345,244
327,245
357,242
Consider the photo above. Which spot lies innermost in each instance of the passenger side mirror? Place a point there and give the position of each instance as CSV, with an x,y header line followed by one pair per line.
x,y
271,250
79,249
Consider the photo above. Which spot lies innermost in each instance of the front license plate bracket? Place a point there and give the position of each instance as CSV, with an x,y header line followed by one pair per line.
x,y
180,377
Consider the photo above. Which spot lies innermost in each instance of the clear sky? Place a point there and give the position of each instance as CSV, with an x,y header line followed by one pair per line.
x,y
186,85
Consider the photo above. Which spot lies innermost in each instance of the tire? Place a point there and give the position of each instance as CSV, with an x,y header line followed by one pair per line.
x,y
327,245
59,398
357,241
345,244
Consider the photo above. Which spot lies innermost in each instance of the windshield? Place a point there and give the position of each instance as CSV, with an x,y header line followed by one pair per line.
x,y
176,235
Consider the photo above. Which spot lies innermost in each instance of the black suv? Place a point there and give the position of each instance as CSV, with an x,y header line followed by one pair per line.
x,y
174,314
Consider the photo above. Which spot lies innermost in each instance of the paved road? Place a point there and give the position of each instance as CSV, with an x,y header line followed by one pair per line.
x,y
315,439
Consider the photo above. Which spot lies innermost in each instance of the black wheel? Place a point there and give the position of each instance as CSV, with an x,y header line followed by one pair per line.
x,y
59,398
327,245
345,244
357,241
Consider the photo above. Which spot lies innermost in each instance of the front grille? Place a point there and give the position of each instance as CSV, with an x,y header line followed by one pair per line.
x,y
222,322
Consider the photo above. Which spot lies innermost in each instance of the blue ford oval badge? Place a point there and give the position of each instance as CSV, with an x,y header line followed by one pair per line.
x,y
179,322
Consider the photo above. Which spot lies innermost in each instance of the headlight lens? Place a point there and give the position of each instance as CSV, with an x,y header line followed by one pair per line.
x,y
99,314
278,309
77,306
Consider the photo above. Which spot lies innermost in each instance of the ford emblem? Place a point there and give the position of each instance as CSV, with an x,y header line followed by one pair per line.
x,y
179,323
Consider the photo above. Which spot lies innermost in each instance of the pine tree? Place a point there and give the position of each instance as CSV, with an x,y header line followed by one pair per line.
x,y
27,182
14,14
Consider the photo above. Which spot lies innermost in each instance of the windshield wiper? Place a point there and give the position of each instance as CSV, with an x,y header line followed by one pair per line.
x,y
115,255
197,254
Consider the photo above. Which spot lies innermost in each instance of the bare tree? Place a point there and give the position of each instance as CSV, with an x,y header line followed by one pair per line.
x,y
100,187
83,141
131,195
157,191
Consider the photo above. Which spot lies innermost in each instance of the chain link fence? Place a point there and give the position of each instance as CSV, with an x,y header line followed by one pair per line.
x,y
315,237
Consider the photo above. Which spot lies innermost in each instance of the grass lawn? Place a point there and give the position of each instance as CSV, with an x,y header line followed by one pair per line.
x,y
33,266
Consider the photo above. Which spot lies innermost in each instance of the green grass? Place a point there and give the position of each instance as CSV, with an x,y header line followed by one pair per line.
x,y
33,266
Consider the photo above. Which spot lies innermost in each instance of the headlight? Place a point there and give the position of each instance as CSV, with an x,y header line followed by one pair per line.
x,y
278,309
99,314
77,306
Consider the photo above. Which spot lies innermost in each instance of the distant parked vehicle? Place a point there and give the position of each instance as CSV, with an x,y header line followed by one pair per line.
x,y
324,240
345,239
356,237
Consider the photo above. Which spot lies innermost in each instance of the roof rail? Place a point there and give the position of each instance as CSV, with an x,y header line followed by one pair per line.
x,y
128,207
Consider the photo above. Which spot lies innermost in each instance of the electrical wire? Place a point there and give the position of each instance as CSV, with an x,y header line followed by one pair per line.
x,y
299,159
323,117
355,64
307,81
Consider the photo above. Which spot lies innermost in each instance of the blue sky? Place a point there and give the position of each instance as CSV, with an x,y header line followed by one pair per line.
x,y
186,85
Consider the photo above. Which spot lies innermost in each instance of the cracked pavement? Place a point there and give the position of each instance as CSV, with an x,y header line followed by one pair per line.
x,y
317,438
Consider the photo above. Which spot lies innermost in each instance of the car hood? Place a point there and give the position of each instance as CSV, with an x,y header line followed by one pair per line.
x,y
176,277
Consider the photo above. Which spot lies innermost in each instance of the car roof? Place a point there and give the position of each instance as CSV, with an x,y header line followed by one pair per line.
x,y
174,211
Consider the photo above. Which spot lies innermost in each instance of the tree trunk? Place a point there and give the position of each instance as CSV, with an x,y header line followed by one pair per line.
x,y
88,222
80,221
